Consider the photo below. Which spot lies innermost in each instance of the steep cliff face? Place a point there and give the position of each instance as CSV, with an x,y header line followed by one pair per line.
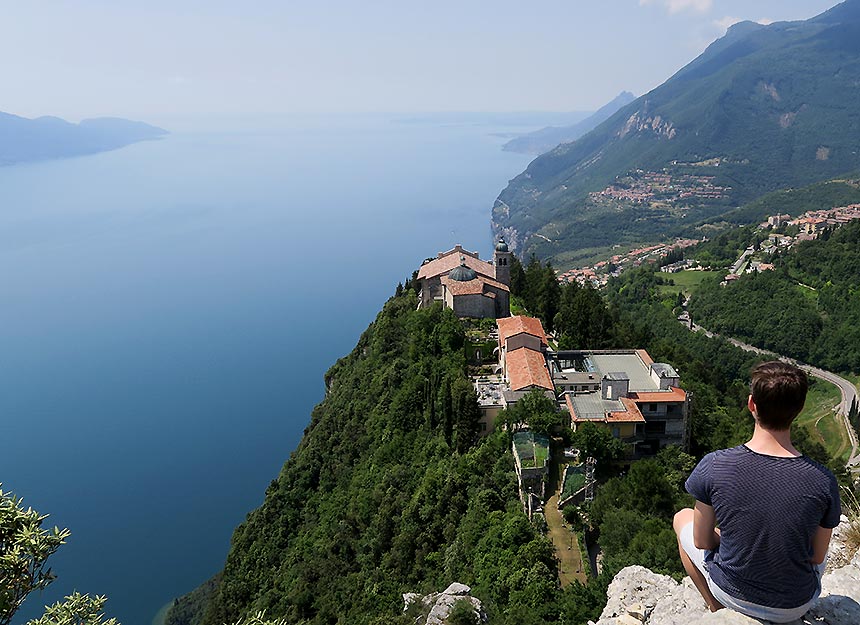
x,y
389,491
639,597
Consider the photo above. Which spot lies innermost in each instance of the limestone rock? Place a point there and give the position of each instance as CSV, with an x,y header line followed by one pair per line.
x,y
839,554
409,598
437,606
457,589
638,596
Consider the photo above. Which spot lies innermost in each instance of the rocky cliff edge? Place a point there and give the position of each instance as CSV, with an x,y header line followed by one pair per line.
x,y
638,596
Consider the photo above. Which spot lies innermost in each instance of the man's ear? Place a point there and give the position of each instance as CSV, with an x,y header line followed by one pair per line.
x,y
751,405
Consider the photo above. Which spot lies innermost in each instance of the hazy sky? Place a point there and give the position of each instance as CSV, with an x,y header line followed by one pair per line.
x,y
82,57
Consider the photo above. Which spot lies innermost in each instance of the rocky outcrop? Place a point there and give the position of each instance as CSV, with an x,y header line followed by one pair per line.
x,y
641,122
434,609
638,596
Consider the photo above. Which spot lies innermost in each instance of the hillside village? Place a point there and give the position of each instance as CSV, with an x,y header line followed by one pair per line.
x,y
637,400
661,188
783,232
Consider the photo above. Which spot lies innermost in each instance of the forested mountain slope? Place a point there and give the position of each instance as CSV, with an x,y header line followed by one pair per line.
x,y
388,492
763,108
391,491
808,308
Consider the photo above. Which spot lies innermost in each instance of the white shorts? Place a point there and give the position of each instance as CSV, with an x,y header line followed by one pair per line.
x,y
702,559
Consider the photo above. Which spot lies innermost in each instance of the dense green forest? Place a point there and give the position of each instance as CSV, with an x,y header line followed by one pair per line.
x,y
388,492
723,250
809,308
794,202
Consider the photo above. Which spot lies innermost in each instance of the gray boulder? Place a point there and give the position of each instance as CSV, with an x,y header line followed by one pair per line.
x,y
437,606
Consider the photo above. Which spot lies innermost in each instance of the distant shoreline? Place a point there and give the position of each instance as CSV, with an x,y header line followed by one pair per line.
x,y
161,615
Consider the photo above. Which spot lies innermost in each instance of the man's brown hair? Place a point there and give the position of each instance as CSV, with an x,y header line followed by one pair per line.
x,y
779,392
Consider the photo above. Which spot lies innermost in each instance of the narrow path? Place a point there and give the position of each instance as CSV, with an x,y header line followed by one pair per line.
x,y
848,390
566,545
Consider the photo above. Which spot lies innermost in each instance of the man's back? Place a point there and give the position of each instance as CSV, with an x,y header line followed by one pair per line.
x,y
768,509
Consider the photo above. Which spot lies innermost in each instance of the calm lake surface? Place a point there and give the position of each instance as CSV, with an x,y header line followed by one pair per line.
x,y
168,311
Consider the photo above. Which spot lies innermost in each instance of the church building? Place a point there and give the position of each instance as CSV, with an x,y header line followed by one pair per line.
x,y
469,286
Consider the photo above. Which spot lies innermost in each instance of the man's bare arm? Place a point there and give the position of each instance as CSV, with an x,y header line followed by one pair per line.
x,y
820,543
705,534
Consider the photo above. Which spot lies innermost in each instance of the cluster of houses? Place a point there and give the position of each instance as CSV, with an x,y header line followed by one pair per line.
x,y
599,273
643,187
637,400
811,223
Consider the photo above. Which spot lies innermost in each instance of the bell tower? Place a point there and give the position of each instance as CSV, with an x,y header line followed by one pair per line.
x,y
502,261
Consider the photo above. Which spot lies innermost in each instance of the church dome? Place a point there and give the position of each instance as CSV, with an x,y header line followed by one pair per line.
x,y
501,246
462,273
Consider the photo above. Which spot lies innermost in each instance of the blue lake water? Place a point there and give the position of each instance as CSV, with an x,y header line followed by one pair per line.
x,y
167,312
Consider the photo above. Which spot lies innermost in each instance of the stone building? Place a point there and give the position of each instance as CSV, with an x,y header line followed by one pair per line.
x,y
469,286
639,400
522,357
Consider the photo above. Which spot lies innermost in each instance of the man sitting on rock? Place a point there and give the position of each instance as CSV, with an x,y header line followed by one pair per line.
x,y
757,538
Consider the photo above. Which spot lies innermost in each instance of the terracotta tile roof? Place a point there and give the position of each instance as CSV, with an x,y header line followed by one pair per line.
x,y
511,326
645,357
451,259
526,368
632,413
673,394
477,286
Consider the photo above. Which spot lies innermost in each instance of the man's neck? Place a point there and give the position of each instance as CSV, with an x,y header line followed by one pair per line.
x,y
772,443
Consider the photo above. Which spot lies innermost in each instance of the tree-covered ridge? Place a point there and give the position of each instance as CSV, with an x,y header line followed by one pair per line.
x,y
794,202
388,492
809,308
763,108
713,370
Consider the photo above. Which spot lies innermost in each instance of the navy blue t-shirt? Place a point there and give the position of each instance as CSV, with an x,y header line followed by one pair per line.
x,y
768,510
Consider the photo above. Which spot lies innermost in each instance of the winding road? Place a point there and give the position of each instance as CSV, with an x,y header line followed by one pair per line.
x,y
848,390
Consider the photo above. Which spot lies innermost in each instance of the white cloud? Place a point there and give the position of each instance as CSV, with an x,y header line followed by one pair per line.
x,y
727,21
676,6
724,23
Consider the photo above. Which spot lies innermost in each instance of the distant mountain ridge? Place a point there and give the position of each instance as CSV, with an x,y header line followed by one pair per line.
x,y
24,140
545,139
762,108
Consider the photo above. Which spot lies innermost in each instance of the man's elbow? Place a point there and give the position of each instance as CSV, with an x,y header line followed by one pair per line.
x,y
701,543
816,559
